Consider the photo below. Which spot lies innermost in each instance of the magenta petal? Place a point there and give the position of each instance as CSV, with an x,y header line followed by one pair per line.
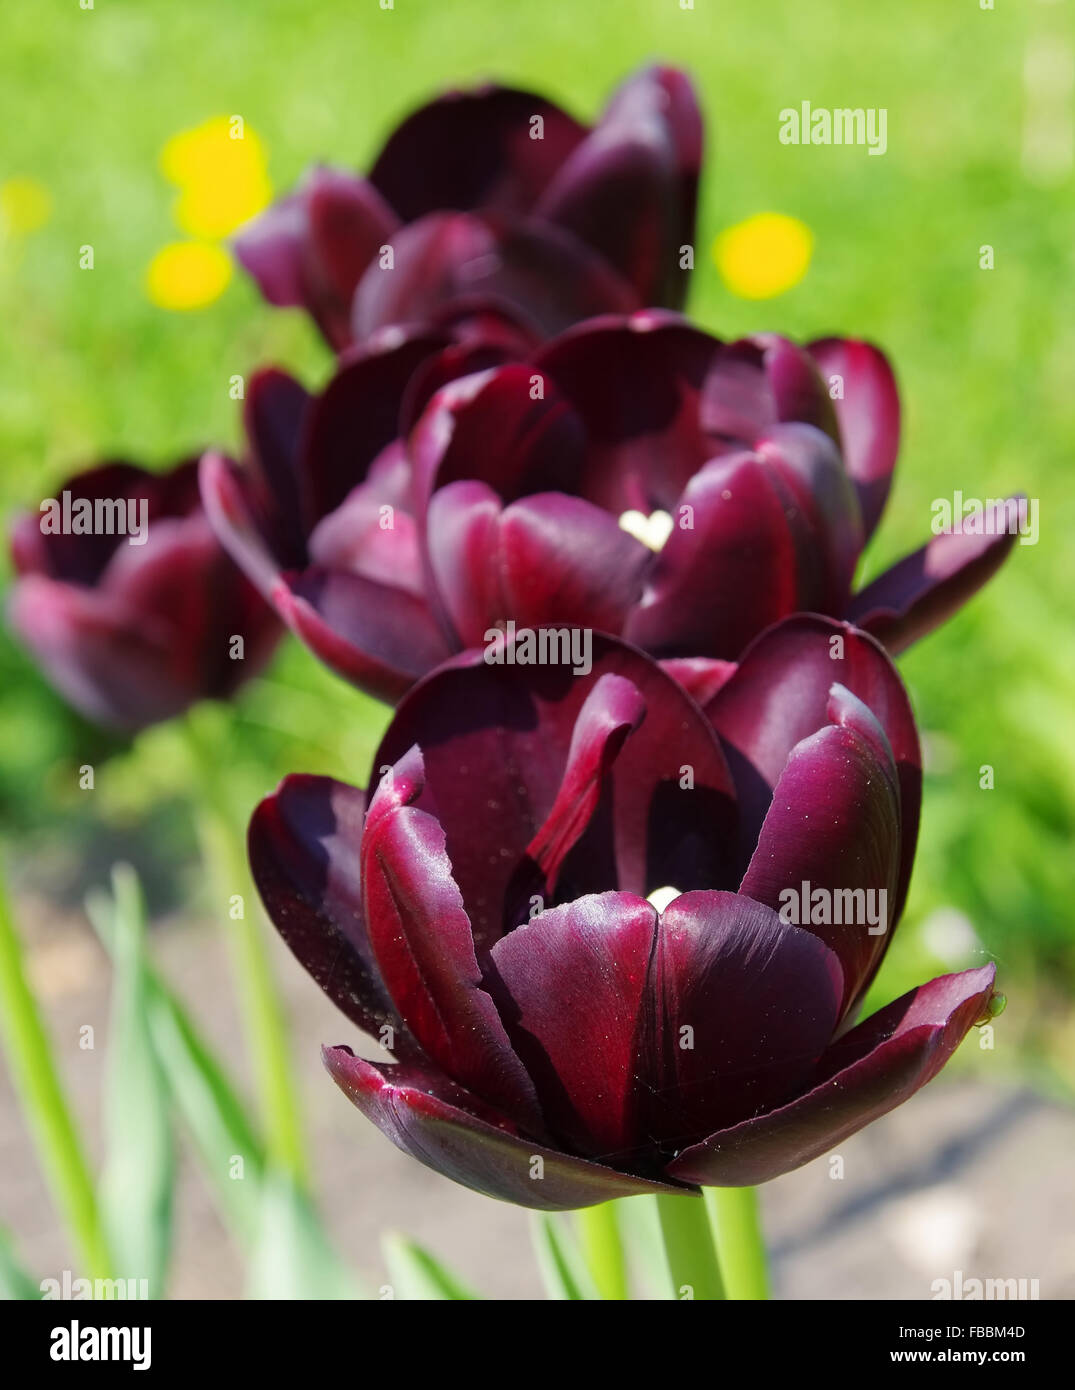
x,y
495,147
378,637
868,413
635,384
835,825
509,428
922,590
759,382
421,939
780,695
827,524
358,416
236,513
495,740
864,1075
458,1137
696,603
547,558
629,189
745,1006
613,710
310,248
303,844
447,261
571,987
274,415
700,676
102,657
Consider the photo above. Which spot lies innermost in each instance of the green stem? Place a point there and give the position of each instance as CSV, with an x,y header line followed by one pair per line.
x,y
688,1247
38,1082
264,1021
734,1218
602,1249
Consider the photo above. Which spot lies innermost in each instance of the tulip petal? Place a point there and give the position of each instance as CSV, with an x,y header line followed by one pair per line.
x,y
745,1006
629,189
759,382
696,602
495,738
303,844
612,711
834,825
495,147
108,500
309,249
490,428
357,417
924,589
446,262
376,636
547,558
862,1076
273,415
421,939
456,1136
635,385
779,695
868,413
112,666
240,517
571,987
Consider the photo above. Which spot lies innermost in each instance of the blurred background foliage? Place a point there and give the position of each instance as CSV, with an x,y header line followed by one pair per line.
x,y
90,367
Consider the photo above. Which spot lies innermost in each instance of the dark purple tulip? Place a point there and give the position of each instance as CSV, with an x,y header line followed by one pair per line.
x,y
508,480
494,201
558,1039
132,634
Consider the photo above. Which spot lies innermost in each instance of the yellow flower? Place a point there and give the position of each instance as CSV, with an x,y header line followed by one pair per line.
x,y
25,205
765,255
187,275
219,168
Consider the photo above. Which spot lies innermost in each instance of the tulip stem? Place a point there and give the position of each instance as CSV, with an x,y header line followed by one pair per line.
x,y
736,1224
37,1080
693,1266
264,1020
602,1249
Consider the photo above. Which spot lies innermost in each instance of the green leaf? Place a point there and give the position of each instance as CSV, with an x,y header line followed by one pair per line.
x,y
15,1282
231,1152
137,1185
417,1275
641,1227
563,1269
215,1117
293,1258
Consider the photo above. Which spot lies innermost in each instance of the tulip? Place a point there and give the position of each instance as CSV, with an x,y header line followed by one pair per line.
x,y
494,202
127,601
635,476
559,1038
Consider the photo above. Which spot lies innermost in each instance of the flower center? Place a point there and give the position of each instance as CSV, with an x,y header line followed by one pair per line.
x,y
652,530
661,897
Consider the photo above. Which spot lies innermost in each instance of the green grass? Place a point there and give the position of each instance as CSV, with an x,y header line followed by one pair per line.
x,y
89,367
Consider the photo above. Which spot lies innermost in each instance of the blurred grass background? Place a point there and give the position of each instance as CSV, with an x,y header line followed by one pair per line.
x,y
89,367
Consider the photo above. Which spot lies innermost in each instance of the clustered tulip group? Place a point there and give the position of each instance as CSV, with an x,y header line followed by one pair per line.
x,y
558,904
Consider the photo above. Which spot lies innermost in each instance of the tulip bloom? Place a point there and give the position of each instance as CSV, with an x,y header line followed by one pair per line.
x,y
495,202
559,1038
634,476
127,601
